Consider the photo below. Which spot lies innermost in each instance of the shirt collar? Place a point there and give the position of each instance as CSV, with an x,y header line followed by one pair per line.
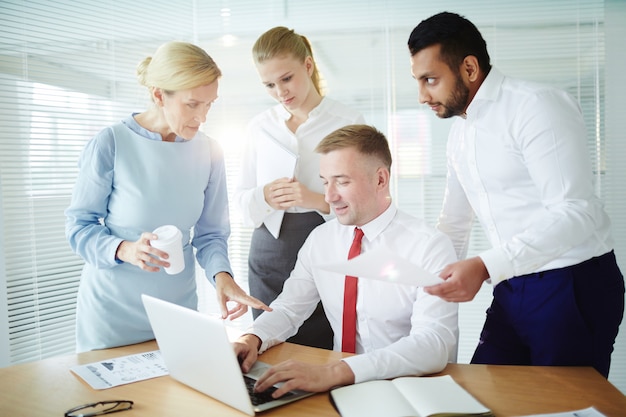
x,y
488,90
375,227
320,108
284,114
132,124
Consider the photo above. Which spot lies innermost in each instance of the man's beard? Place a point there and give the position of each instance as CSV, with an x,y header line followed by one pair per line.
x,y
457,101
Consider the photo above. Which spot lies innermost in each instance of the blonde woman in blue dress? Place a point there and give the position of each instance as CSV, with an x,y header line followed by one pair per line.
x,y
152,168
302,117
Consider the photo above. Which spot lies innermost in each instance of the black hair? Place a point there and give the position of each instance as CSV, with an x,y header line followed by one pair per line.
x,y
457,36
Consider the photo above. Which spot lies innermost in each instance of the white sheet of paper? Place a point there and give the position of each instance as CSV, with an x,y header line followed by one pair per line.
x,y
274,161
384,265
123,370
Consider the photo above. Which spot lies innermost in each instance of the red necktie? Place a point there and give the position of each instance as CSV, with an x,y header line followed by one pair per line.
x,y
348,343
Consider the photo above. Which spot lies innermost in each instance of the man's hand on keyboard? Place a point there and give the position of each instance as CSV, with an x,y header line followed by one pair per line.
x,y
306,377
247,351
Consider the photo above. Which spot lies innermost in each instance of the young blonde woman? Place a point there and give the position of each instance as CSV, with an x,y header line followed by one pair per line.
x,y
302,117
151,169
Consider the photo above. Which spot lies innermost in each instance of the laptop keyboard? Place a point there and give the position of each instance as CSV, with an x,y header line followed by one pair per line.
x,y
259,398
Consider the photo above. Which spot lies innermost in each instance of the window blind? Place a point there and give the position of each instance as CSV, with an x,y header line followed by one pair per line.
x,y
67,71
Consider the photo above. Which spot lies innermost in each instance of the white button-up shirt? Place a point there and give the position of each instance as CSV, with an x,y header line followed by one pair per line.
x,y
327,117
401,330
519,161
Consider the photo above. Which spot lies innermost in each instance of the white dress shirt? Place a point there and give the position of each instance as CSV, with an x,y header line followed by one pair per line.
x,y
401,330
327,117
519,161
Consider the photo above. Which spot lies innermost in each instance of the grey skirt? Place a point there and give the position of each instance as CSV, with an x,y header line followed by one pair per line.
x,y
270,262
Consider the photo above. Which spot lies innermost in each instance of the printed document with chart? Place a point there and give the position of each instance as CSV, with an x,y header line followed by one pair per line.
x,y
110,373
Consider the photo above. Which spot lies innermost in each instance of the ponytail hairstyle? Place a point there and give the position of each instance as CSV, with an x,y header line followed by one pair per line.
x,y
281,41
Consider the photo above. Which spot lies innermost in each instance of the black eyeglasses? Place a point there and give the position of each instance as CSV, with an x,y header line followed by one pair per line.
x,y
100,408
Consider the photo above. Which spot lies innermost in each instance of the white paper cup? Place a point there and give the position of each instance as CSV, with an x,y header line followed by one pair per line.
x,y
170,240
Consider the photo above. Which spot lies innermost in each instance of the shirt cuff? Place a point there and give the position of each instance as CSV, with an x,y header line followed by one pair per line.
x,y
362,368
115,245
266,342
262,205
498,265
212,278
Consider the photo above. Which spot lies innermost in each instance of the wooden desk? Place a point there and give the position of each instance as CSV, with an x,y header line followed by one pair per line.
x,y
48,388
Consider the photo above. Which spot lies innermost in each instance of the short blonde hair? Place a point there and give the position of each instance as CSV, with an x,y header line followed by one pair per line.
x,y
281,41
178,66
367,140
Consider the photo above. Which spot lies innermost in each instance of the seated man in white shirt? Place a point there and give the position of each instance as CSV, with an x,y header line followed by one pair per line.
x,y
400,330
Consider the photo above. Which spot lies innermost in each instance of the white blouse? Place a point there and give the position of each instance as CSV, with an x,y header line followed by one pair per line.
x,y
270,125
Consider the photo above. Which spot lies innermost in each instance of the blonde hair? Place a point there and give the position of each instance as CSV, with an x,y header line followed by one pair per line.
x,y
280,41
367,140
177,66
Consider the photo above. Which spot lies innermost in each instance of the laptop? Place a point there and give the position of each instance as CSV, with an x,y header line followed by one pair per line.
x,y
198,353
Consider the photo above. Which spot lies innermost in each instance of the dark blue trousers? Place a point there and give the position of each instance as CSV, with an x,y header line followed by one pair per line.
x,y
568,317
